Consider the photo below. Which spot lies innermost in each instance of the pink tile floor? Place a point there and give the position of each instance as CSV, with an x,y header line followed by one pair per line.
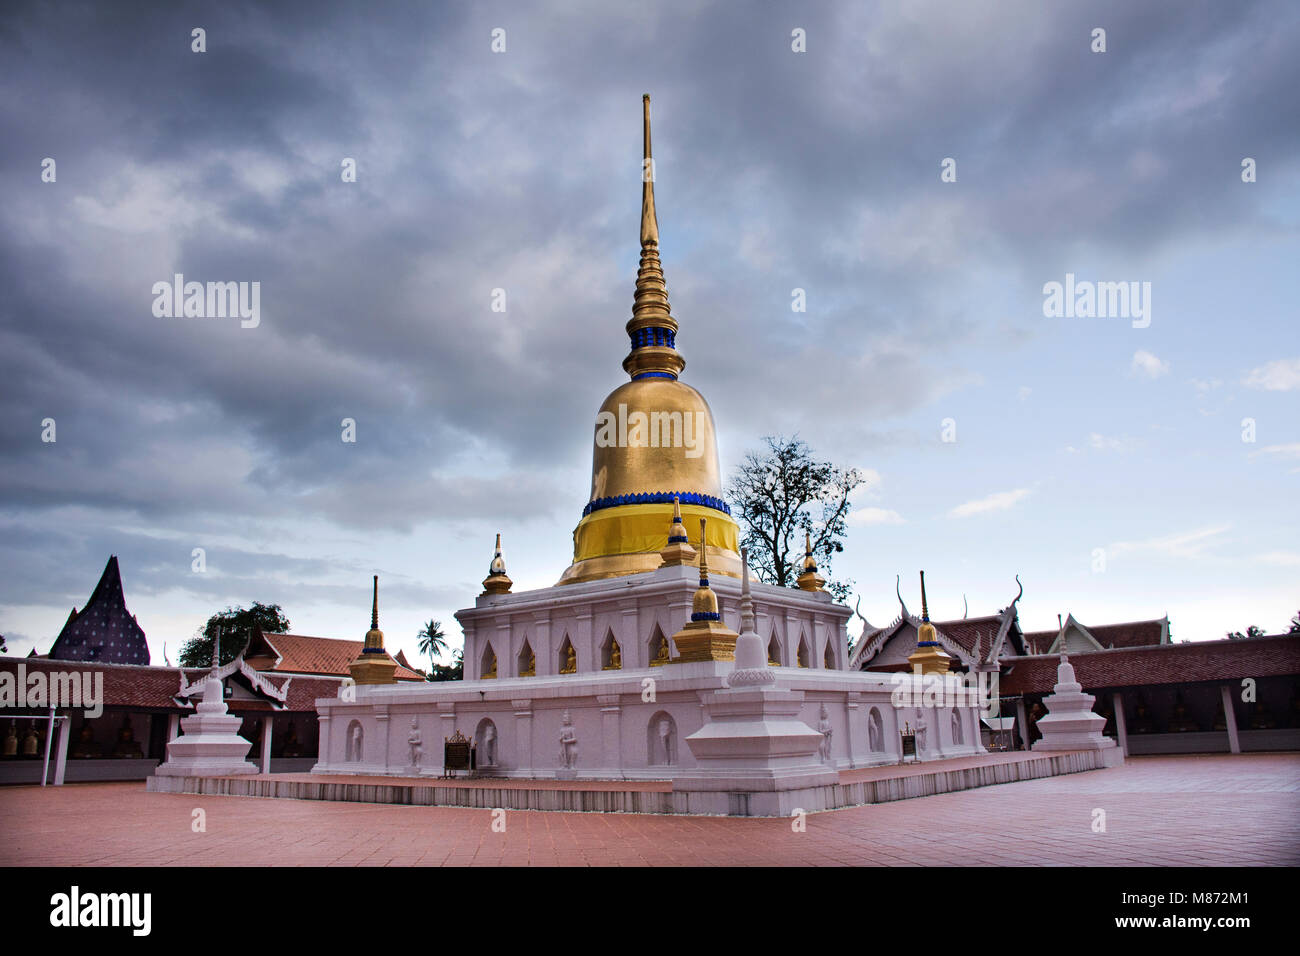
x,y
1163,811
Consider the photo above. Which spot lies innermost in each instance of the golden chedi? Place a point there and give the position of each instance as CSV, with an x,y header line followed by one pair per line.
x,y
809,580
654,439
497,582
705,637
374,666
929,655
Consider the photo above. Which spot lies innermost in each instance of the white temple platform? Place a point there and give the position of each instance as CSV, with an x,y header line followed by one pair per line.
x,y
851,788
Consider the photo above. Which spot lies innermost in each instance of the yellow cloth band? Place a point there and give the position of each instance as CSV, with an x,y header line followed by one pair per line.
x,y
640,529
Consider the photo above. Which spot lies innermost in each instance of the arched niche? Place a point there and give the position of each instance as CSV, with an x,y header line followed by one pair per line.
x,y
487,662
354,742
567,661
661,740
774,649
658,647
526,661
801,659
875,731
611,655
486,743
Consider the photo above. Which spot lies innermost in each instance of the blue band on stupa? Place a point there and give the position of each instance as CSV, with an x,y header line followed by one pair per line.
x,y
655,375
658,498
706,616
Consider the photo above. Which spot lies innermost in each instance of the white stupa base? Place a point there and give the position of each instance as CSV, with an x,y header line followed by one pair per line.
x,y
754,756
211,745
1070,723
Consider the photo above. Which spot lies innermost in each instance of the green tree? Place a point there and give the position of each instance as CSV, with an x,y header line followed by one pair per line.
x,y
440,672
781,492
1251,631
236,627
432,640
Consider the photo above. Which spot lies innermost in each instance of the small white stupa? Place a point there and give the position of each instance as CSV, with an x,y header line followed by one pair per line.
x,y
211,745
754,748
1070,723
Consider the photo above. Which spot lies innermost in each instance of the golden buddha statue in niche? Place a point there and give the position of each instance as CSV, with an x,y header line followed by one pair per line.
x,y
492,666
570,660
615,656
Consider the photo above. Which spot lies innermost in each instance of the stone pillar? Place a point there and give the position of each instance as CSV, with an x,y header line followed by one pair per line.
x,y
543,649
61,752
588,654
470,660
611,730
523,734
636,652
1022,723
1230,719
852,710
1121,722
504,647
265,764
381,732
448,717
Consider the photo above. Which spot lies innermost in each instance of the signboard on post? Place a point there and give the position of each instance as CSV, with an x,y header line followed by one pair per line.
x,y
457,754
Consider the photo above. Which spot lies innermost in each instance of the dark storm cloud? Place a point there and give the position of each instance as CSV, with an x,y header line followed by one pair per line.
x,y
519,171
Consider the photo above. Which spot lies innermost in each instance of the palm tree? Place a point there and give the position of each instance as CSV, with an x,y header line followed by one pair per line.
x,y
432,640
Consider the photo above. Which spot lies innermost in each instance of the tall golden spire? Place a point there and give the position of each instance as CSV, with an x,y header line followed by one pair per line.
x,y
497,582
374,665
678,550
809,580
705,637
652,328
929,654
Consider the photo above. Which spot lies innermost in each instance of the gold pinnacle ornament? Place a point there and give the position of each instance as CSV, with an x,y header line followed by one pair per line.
x,y
809,580
678,550
929,654
374,665
705,637
497,582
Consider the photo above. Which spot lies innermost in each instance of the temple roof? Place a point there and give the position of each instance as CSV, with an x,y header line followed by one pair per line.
x,y
104,630
300,654
1157,664
158,688
1104,636
971,639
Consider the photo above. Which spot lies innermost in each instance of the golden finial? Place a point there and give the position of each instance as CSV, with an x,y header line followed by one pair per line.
x,y
497,582
705,637
810,580
652,328
678,550
929,655
649,221
374,665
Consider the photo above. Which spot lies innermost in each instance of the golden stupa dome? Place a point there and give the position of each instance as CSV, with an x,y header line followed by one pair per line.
x,y
654,440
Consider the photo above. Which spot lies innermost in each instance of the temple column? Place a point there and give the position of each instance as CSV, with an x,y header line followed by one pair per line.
x,y
504,648
523,734
543,651
265,765
381,731
1022,723
61,750
588,655
448,718
1230,719
1121,722
469,660
323,755
611,730
635,651
852,709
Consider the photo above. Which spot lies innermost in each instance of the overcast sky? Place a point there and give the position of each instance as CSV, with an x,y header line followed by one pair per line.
x,y
519,170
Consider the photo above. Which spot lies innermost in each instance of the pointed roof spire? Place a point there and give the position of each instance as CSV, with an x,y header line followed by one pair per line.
x,y
810,580
374,607
751,657
649,221
747,624
652,328
705,637
678,550
497,581
373,665
929,655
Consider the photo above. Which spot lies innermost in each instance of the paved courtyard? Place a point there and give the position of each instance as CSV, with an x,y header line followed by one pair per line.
x,y
1171,811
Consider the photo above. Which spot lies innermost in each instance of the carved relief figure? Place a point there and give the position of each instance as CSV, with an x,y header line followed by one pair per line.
x,y
489,744
663,740
956,727
920,733
568,743
414,741
824,728
353,743
876,731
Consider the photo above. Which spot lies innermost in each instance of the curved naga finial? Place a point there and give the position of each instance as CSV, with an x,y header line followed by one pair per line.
x,y
1022,590
965,611
857,609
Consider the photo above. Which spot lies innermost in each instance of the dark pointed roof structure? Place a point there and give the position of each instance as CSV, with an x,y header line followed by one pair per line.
x,y
104,630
